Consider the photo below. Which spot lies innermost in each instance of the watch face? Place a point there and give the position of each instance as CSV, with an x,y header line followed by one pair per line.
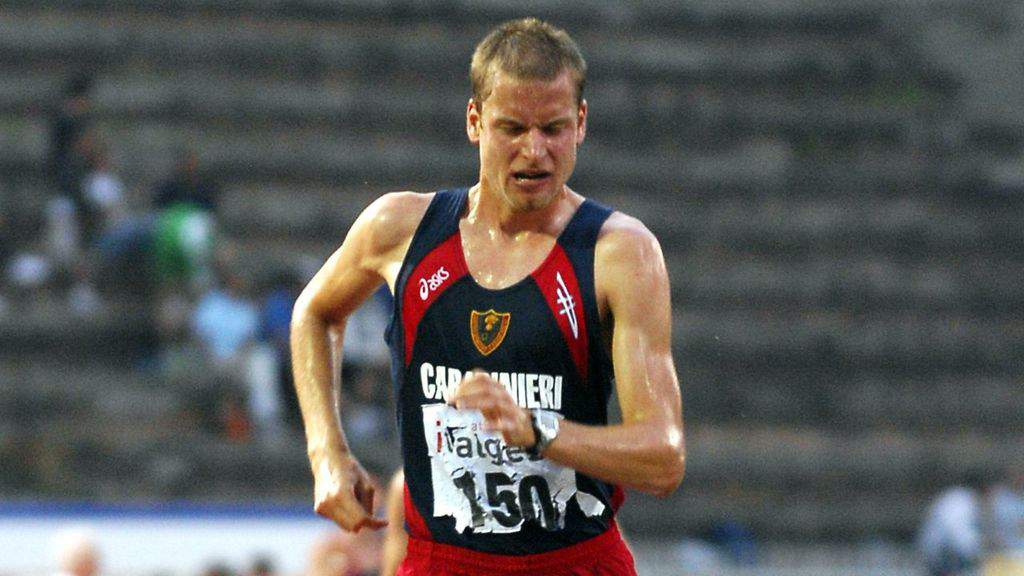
x,y
549,424
546,429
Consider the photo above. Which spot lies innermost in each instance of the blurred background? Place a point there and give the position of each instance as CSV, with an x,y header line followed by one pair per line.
x,y
838,187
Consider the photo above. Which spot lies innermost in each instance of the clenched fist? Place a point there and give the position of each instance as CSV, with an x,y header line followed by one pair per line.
x,y
501,413
344,493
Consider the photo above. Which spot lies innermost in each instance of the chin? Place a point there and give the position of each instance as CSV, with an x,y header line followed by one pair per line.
x,y
527,201
531,202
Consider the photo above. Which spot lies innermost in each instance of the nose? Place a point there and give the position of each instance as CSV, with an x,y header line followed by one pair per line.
x,y
535,144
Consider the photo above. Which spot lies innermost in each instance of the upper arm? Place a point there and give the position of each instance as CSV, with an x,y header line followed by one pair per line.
x,y
371,254
633,287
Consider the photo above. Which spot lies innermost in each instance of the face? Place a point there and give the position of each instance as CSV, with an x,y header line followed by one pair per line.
x,y
528,135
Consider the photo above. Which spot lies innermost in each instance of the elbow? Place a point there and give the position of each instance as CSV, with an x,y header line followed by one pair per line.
x,y
303,312
671,475
300,316
670,468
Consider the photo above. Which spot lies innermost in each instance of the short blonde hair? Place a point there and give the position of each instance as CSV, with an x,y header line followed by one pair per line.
x,y
528,49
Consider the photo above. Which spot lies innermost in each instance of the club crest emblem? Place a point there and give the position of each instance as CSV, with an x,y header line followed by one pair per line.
x,y
488,329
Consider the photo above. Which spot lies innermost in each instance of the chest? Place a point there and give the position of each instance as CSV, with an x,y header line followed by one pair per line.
x,y
533,307
496,263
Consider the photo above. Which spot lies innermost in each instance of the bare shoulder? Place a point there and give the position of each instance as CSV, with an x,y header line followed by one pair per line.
x,y
391,220
627,261
377,241
624,239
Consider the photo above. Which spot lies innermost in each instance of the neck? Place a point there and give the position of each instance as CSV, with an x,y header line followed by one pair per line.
x,y
488,208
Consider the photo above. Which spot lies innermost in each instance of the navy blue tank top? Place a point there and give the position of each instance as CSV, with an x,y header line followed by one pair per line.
x,y
541,339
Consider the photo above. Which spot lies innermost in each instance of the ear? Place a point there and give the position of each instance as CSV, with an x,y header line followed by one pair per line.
x,y
581,122
473,122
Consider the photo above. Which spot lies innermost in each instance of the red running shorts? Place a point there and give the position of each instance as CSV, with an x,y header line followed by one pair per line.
x,y
604,555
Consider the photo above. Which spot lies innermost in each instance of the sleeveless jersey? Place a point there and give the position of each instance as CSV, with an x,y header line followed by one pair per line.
x,y
541,339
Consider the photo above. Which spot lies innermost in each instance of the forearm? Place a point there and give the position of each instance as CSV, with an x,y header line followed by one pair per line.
x,y
647,452
319,398
643,456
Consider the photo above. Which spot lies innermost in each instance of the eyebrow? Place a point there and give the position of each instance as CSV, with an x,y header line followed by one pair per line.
x,y
514,122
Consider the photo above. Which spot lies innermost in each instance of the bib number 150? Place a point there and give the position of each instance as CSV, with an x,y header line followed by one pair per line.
x,y
508,504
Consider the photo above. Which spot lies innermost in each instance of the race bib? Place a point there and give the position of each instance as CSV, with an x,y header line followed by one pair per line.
x,y
489,486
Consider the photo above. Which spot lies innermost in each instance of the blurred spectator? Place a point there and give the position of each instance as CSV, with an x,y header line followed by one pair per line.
x,y
346,554
123,239
177,347
262,566
225,319
63,233
71,218
184,234
102,188
245,344
275,328
28,271
234,419
90,208
69,145
103,199
951,540
262,379
365,372
77,554
218,569
182,246
186,186
224,323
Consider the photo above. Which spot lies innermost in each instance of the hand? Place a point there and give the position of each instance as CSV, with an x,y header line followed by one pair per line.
x,y
501,413
344,493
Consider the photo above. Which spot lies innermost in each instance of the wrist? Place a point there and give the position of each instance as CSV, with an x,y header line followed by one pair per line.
x,y
326,451
546,426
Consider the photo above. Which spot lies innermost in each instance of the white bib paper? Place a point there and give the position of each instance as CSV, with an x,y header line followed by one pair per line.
x,y
489,486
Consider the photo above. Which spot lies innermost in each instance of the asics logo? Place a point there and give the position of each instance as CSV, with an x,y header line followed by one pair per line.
x,y
568,304
428,285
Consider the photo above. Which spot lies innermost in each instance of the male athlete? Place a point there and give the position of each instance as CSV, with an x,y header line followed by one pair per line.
x,y
518,304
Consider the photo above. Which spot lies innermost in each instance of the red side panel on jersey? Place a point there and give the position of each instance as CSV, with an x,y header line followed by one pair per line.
x,y
434,274
413,520
557,281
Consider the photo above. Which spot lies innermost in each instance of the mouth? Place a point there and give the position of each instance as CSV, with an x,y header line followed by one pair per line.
x,y
530,176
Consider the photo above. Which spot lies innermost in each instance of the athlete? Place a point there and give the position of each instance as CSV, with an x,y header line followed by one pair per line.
x,y
519,304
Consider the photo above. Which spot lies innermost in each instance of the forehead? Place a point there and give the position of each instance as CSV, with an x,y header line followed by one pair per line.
x,y
531,99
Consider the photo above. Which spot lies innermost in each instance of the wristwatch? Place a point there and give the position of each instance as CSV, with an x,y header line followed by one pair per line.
x,y
545,430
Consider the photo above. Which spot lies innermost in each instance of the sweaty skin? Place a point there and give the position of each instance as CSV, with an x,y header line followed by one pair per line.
x,y
527,134
395,539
